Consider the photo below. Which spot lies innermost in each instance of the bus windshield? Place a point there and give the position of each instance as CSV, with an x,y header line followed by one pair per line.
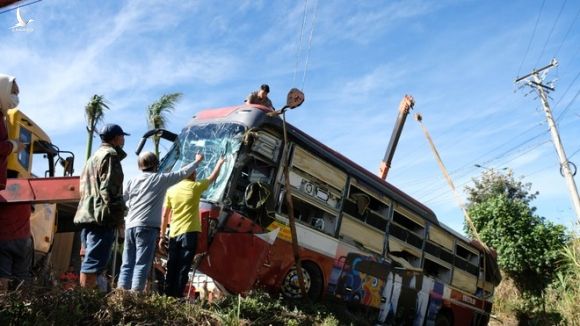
x,y
212,140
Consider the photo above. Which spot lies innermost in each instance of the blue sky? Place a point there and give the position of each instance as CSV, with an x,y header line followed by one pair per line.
x,y
354,60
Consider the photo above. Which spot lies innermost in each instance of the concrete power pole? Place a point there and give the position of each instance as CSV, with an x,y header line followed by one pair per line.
x,y
533,80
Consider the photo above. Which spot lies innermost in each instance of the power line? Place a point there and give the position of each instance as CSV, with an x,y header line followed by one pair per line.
x,y
524,152
438,196
429,190
21,6
468,167
532,38
569,105
576,152
513,148
479,158
567,89
567,32
299,45
550,34
309,45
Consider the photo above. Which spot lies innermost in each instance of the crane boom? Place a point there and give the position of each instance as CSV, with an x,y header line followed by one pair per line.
x,y
405,106
41,190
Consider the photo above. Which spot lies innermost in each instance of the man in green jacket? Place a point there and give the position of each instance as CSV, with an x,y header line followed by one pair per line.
x,y
101,206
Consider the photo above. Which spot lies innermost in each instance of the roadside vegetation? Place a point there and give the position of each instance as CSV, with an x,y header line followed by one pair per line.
x,y
540,263
539,260
43,306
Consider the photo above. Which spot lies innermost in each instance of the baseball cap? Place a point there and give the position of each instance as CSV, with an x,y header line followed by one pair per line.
x,y
111,130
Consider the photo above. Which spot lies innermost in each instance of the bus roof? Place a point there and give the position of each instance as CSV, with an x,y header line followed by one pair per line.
x,y
256,115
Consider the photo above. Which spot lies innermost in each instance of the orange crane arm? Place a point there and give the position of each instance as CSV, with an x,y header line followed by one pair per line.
x,y
405,106
41,190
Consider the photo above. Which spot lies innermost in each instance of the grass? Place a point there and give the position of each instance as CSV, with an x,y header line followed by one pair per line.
x,y
53,306
558,305
42,306
564,293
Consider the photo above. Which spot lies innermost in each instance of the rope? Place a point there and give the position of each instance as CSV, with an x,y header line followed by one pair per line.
x,y
449,181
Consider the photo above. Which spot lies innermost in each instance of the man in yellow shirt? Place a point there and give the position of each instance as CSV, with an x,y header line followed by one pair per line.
x,y
182,203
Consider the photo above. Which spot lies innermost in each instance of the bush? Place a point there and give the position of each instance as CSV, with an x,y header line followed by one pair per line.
x,y
563,294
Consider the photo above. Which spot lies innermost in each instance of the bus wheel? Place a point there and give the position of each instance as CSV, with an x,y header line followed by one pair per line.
x,y
312,282
442,320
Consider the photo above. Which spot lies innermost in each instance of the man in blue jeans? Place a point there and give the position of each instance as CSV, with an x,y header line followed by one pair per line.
x,y
144,197
101,206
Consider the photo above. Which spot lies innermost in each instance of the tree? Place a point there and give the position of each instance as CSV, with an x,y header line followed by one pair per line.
x,y
528,246
156,114
94,113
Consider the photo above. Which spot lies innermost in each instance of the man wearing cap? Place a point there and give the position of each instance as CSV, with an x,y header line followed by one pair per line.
x,y
144,197
101,206
260,97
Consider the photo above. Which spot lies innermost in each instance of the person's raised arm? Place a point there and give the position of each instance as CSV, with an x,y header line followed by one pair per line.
x,y
216,171
164,219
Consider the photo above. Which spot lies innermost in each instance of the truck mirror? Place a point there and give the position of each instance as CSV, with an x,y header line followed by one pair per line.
x,y
161,133
68,166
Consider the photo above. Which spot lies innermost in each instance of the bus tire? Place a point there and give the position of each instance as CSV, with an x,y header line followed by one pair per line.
x,y
316,281
443,319
312,282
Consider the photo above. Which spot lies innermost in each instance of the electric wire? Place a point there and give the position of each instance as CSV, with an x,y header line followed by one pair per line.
x,y
430,189
468,167
309,46
439,196
519,153
576,152
21,6
567,33
299,45
531,38
569,105
513,148
567,89
550,34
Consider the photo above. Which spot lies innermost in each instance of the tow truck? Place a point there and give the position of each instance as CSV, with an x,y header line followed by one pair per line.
x,y
54,199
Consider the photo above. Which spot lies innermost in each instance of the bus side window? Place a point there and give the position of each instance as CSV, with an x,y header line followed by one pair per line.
x,y
309,214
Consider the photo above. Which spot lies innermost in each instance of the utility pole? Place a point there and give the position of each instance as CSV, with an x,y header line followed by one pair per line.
x,y
533,80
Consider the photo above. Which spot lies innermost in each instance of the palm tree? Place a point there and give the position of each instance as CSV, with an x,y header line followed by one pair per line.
x,y
156,114
94,112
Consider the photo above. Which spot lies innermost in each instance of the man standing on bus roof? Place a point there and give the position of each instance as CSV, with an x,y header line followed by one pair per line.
x,y
261,97
15,239
101,206
182,203
144,196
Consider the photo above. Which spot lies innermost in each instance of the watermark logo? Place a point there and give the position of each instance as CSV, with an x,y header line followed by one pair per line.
x,y
22,24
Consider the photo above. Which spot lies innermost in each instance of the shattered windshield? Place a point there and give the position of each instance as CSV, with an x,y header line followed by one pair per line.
x,y
211,140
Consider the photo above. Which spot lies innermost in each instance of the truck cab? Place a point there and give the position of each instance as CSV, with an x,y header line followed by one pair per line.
x,y
40,154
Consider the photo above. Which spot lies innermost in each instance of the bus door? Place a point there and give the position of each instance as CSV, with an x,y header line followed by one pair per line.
x,y
405,297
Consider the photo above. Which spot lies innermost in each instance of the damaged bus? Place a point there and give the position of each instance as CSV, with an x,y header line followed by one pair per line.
x,y
361,240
